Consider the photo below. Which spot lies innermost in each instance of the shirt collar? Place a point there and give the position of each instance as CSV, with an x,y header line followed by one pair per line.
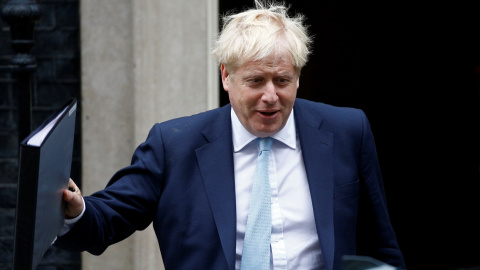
x,y
241,136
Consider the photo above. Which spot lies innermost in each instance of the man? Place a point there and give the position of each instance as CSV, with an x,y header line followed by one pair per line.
x,y
195,177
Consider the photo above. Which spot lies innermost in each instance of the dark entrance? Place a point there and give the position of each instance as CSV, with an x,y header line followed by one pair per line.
x,y
412,70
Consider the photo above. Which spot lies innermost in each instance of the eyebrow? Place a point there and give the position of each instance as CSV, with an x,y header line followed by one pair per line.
x,y
255,73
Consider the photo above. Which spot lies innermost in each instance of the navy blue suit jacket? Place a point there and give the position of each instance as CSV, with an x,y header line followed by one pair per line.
x,y
182,180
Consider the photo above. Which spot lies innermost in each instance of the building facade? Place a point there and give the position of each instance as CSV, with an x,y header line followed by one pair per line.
x,y
131,64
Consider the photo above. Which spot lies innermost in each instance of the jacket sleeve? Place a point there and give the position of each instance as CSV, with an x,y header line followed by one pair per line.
x,y
375,235
128,203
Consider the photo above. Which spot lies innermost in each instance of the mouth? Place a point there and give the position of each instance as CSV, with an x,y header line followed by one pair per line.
x,y
268,113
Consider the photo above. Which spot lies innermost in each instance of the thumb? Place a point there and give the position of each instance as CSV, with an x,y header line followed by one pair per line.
x,y
73,198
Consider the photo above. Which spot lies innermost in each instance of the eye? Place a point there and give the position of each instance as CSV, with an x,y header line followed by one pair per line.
x,y
254,81
283,81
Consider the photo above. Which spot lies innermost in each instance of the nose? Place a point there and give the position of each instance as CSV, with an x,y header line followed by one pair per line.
x,y
270,93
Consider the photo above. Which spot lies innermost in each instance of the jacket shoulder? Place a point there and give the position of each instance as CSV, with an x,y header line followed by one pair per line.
x,y
193,124
327,114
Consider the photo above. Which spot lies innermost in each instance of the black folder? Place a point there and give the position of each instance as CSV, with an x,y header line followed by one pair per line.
x,y
44,171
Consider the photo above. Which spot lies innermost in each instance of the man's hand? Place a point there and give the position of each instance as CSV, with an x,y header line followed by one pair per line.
x,y
73,200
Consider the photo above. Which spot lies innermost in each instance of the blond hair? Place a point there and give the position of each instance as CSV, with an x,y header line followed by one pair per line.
x,y
256,34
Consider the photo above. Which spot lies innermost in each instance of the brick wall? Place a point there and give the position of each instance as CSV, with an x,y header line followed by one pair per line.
x,y
56,80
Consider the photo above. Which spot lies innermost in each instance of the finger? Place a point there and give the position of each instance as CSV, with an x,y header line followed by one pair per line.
x,y
73,187
68,195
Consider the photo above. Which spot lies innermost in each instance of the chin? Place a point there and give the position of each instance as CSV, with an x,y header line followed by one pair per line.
x,y
262,129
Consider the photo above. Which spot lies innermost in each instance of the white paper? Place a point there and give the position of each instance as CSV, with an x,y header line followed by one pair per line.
x,y
37,139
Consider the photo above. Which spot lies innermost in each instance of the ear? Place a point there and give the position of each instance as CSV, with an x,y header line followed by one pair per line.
x,y
225,78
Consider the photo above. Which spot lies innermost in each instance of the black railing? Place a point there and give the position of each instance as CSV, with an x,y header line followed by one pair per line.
x,y
22,15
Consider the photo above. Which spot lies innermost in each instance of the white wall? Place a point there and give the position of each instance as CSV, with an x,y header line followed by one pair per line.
x,y
143,62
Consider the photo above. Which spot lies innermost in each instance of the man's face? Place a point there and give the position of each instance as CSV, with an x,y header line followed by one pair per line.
x,y
262,94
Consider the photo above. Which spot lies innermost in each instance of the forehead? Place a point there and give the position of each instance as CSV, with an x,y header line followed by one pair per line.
x,y
268,65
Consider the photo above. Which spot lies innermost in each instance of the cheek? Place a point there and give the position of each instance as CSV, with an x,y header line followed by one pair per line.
x,y
238,101
236,97
246,99
288,97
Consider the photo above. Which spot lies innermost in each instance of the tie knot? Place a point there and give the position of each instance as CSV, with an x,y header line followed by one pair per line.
x,y
265,144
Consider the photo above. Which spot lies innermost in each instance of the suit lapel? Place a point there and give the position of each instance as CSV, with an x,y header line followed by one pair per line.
x,y
215,160
317,150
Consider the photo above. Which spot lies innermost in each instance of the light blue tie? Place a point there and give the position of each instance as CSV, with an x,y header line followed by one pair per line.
x,y
256,245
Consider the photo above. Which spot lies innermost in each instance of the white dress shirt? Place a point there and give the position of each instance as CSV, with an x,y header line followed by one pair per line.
x,y
294,241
